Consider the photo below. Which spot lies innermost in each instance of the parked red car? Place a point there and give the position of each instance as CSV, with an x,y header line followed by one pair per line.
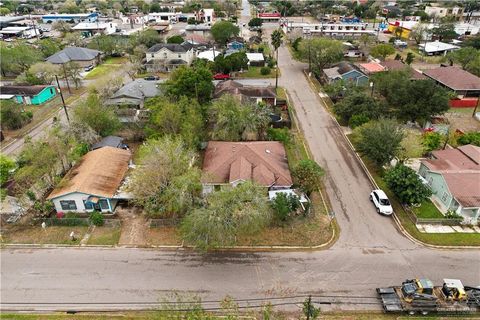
x,y
221,76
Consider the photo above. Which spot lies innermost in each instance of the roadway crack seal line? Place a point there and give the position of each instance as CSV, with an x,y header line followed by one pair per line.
x,y
374,184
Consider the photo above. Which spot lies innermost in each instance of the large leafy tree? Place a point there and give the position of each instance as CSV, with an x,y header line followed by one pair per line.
x,y
382,50
166,181
464,56
106,43
49,46
100,118
45,71
12,117
276,39
321,52
234,121
183,118
380,140
359,103
307,174
192,82
228,214
18,58
255,22
444,32
411,100
406,185
224,30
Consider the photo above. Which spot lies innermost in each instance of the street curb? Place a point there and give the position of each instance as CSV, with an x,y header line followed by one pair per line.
x,y
374,184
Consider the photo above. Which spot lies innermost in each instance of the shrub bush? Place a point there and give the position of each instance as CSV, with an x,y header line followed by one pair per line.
x,y
97,218
283,205
279,134
295,43
265,70
357,120
431,141
469,138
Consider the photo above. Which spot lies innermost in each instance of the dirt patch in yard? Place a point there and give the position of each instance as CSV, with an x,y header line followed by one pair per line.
x,y
461,118
166,235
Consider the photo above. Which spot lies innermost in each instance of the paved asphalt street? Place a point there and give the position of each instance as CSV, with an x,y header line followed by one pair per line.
x,y
369,253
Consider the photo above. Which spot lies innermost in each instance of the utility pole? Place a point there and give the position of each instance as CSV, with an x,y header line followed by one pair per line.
x,y
63,100
476,107
66,79
309,306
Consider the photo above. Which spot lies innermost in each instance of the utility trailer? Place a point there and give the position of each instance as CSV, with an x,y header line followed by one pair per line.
x,y
419,296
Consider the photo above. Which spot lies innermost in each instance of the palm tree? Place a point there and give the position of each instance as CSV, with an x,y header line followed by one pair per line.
x,y
276,42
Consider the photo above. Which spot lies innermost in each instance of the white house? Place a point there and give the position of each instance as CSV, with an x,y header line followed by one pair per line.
x,y
255,59
205,15
24,32
210,54
94,183
167,56
437,48
164,16
96,27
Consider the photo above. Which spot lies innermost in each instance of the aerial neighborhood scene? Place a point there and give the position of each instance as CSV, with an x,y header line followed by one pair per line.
x,y
233,159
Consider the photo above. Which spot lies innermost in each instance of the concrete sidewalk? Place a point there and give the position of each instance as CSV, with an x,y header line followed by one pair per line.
x,y
432,228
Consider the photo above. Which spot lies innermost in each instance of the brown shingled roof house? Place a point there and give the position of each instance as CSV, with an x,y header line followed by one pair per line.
x,y
93,183
461,81
246,93
399,65
454,177
230,163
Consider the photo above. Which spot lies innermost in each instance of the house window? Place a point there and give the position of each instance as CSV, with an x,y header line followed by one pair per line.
x,y
164,54
152,55
68,205
88,205
51,90
103,203
179,55
217,187
444,197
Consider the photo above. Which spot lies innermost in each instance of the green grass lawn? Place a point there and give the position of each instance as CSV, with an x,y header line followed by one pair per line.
x,y
104,236
101,70
427,210
254,72
412,143
115,60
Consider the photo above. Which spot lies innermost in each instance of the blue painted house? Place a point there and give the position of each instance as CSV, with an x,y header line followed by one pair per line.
x,y
235,45
94,183
346,72
30,94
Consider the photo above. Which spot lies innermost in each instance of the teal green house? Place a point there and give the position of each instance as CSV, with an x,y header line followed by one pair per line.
x,y
454,178
38,94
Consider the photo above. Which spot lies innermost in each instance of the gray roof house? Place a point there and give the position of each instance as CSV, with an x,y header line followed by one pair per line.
x,y
110,141
76,54
131,97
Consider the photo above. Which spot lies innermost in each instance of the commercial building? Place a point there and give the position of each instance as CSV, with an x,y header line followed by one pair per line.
x,y
72,18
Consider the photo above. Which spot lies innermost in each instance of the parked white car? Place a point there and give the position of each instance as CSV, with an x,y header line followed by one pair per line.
x,y
381,202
